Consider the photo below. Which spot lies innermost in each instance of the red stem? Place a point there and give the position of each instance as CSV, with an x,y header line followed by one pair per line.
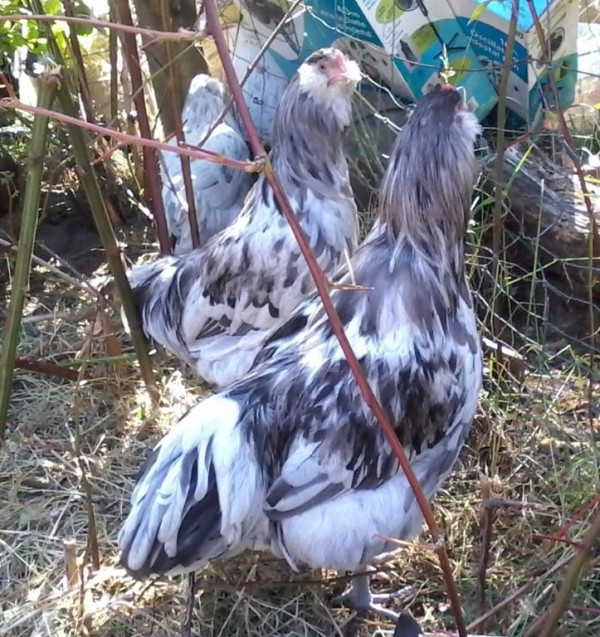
x,y
563,529
213,27
215,158
8,86
181,34
150,157
175,101
558,540
43,367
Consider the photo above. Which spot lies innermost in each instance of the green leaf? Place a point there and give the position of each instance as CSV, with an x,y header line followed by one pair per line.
x,y
83,29
478,11
52,7
17,40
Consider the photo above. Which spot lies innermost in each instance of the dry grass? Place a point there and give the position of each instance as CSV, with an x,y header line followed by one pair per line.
x,y
73,450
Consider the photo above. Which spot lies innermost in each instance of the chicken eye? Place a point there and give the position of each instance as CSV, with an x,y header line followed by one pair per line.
x,y
322,66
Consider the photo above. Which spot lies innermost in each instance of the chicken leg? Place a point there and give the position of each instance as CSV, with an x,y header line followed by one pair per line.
x,y
360,598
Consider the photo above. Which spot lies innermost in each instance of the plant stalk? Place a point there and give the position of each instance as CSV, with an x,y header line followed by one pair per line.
x,y
102,220
191,151
499,186
152,176
31,202
173,81
546,626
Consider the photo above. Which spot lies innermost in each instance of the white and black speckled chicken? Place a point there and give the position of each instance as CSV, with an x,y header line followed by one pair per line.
x,y
219,191
213,307
290,459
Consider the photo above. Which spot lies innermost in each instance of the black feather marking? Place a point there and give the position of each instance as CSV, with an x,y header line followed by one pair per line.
x,y
273,311
291,274
199,527
291,327
281,488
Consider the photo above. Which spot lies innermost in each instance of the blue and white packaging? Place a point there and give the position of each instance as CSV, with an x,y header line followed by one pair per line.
x,y
403,44
529,93
398,42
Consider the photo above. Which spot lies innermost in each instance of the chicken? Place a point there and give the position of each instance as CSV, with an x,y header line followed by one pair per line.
x,y
219,191
213,307
290,459
407,626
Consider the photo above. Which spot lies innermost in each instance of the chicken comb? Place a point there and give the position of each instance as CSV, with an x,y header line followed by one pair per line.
x,y
447,87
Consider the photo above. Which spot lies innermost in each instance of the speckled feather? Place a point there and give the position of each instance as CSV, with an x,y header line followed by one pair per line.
x,y
290,459
213,307
219,191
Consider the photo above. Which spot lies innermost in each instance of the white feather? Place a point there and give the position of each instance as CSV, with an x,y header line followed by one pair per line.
x,y
215,306
219,191
297,459
161,498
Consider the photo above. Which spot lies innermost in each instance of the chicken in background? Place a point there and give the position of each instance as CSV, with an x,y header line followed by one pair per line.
x,y
219,191
290,459
215,306
407,626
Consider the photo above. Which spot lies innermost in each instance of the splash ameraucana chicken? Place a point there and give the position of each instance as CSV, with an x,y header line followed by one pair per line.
x,y
290,459
219,191
213,307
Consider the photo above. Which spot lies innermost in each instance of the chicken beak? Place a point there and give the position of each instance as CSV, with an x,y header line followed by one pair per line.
x,y
343,71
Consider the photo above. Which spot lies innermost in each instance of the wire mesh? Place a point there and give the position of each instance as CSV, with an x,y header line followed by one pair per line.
x,y
536,435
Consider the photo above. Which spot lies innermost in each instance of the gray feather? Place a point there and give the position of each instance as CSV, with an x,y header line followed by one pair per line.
x,y
213,307
219,191
301,466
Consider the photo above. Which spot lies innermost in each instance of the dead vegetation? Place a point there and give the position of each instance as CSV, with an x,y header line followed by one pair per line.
x,y
513,513
73,449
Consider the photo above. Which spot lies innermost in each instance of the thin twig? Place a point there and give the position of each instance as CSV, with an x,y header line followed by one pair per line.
x,y
84,87
114,65
181,34
502,503
175,101
214,28
486,521
546,625
49,85
554,539
186,626
43,367
92,531
499,186
68,317
79,283
151,172
593,503
190,151
518,593
90,184
8,87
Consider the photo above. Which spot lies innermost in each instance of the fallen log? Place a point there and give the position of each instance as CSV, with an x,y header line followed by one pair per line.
x,y
547,211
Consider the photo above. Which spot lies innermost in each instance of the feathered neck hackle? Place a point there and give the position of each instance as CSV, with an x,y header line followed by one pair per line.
x,y
308,129
203,103
428,187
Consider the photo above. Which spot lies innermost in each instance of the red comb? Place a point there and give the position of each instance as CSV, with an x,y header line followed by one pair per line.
x,y
447,87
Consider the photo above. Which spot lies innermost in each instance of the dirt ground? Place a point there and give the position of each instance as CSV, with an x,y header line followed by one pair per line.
x,y
73,448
